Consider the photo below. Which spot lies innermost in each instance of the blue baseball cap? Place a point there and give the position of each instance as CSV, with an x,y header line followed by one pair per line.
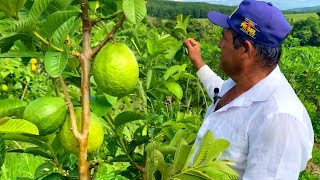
x,y
260,21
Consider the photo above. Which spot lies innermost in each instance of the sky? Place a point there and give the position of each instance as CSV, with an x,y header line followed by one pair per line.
x,y
281,4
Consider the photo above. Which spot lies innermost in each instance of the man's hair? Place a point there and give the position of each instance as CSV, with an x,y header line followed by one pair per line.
x,y
268,56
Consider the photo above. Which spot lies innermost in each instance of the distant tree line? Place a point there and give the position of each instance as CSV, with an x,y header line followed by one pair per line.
x,y
170,9
167,9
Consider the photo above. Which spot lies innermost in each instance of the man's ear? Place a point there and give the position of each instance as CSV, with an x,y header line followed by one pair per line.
x,y
247,49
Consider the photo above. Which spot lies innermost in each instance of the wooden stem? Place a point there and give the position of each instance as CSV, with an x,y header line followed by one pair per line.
x,y
108,36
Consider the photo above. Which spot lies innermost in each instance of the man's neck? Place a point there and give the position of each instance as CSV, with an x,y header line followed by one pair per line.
x,y
247,79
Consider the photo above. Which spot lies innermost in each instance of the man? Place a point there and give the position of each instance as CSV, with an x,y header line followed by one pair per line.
x,y
257,111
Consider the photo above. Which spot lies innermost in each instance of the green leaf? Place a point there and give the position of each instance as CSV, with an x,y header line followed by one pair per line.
x,y
37,140
187,162
60,35
54,176
120,158
171,71
134,10
109,7
18,4
155,160
58,20
99,104
2,151
6,8
150,78
43,170
73,63
163,91
60,4
174,88
111,99
204,148
55,62
180,157
11,7
18,126
127,116
19,54
5,24
151,46
182,24
186,75
21,26
12,107
167,149
181,134
8,40
34,151
93,6
155,94
195,173
38,152
217,147
186,176
37,9
223,167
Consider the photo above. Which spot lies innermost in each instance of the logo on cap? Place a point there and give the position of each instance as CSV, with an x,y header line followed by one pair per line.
x,y
248,27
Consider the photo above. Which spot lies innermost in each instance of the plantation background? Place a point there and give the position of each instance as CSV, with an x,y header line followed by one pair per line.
x,y
170,97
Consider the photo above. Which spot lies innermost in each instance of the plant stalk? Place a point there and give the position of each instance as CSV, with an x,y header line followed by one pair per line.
x,y
85,91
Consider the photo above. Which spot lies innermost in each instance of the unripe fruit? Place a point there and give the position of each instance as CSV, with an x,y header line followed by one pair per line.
x,y
95,138
116,70
47,113
33,61
4,87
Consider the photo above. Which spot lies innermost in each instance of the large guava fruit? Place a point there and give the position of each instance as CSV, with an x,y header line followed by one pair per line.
x,y
96,133
115,69
47,113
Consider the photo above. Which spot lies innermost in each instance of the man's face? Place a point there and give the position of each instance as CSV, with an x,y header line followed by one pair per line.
x,y
229,59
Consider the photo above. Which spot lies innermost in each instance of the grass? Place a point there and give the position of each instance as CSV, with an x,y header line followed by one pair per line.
x,y
296,17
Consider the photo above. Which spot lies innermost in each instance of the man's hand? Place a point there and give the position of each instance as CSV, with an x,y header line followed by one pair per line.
x,y
194,52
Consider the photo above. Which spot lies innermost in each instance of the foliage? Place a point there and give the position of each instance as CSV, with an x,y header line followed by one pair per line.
x,y
308,31
21,81
206,163
301,67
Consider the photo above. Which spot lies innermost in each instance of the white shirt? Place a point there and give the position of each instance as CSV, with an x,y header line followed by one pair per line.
x,y
269,130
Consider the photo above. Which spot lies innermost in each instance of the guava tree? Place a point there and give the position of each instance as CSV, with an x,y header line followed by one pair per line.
x,y
48,29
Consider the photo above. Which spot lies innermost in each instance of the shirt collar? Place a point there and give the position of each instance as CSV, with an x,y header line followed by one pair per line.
x,y
262,91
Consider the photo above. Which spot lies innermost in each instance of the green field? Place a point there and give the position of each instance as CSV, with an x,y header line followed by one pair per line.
x,y
297,17
290,17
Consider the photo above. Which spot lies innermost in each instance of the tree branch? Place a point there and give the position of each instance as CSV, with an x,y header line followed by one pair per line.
x,y
85,58
24,90
109,36
94,22
137,166
76,54
74,128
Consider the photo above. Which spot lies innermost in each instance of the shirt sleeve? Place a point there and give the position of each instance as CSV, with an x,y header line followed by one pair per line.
x,y
209,79
278,150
